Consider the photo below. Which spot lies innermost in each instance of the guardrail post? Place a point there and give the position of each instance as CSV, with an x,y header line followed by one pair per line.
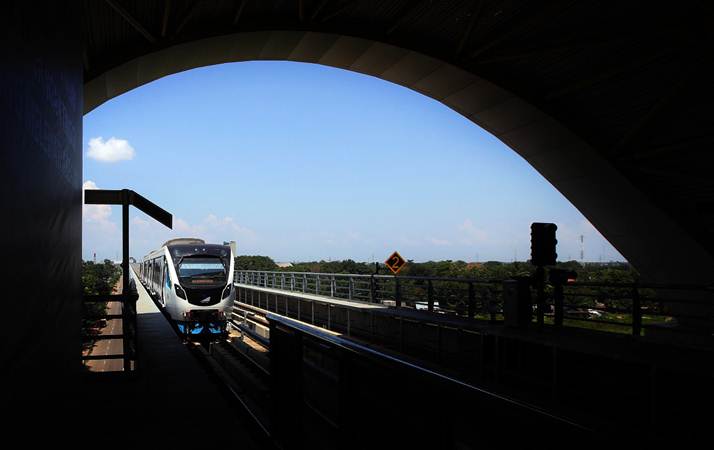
x,y
292,282
372,289
304,282
430,295
472,301
397,293
134,344
317,285
558,300
540,292
332,286
282,281
350,287
636,312
126,313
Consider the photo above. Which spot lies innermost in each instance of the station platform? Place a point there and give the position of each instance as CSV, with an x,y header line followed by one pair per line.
x,y
171,398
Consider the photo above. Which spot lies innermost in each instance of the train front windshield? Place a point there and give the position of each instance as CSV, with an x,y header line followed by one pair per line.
x,y
202,271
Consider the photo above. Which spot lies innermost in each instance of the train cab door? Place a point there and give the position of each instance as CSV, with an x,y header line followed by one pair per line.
x,y
165,284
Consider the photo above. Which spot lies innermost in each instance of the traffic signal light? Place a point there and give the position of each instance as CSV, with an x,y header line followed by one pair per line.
x,y
543,244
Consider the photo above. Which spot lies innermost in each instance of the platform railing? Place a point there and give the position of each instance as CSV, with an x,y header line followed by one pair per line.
x,y
128,297
635,308
626,308
128,335
336,382
470,297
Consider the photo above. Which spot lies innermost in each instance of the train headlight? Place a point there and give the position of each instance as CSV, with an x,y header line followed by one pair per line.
x,y
227,291
180,292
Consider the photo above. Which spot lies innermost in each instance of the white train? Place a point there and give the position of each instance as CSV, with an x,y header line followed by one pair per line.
x,y
193,282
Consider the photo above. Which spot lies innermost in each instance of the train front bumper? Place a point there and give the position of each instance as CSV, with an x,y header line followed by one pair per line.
x,y
198,322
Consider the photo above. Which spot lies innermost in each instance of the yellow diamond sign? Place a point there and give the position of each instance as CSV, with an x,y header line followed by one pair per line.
x,y
395,262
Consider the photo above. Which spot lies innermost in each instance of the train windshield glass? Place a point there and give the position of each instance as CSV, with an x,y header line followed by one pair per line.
x,y
202,271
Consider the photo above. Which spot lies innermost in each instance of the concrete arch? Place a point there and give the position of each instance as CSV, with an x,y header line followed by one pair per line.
x,y
643,233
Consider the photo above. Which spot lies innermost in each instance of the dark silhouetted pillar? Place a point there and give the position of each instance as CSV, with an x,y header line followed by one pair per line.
x,y
41,173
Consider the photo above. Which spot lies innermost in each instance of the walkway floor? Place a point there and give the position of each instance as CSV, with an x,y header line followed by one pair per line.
x,y
172,397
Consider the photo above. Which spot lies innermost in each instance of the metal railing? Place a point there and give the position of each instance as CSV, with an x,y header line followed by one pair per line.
x,y
469,297
349,380
128,297
629,308
635,308
91,334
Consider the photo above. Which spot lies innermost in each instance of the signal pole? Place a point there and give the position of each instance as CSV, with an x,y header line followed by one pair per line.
x,y
543,254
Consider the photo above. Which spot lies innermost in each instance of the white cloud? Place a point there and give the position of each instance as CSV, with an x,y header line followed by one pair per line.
x,y
439,242
100,234
96,214
213,227
138,221
148,234
472,235
112,150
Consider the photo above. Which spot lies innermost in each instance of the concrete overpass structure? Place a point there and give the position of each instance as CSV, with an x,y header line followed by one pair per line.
x,y
608,105
611,103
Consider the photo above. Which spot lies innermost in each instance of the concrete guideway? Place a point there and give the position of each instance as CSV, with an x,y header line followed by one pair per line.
x,y
540,367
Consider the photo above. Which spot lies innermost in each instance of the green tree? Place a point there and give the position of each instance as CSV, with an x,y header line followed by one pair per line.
x,y
254,262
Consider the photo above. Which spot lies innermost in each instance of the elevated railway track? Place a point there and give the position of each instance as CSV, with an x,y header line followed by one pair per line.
x,y
549,371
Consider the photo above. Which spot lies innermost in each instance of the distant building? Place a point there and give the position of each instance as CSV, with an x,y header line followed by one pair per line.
x,y
283,265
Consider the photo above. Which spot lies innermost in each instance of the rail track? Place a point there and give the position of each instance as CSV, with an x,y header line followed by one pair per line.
x,y
239,364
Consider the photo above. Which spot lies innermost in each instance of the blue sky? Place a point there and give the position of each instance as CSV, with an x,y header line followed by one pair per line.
x,y
305,162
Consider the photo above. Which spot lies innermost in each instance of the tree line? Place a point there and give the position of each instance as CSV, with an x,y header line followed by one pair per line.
x,y
489,270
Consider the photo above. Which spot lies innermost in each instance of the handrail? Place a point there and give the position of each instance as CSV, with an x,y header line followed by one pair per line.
x,y
384,276
126,198
613,307
290,338
363,350
676,286
129,332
